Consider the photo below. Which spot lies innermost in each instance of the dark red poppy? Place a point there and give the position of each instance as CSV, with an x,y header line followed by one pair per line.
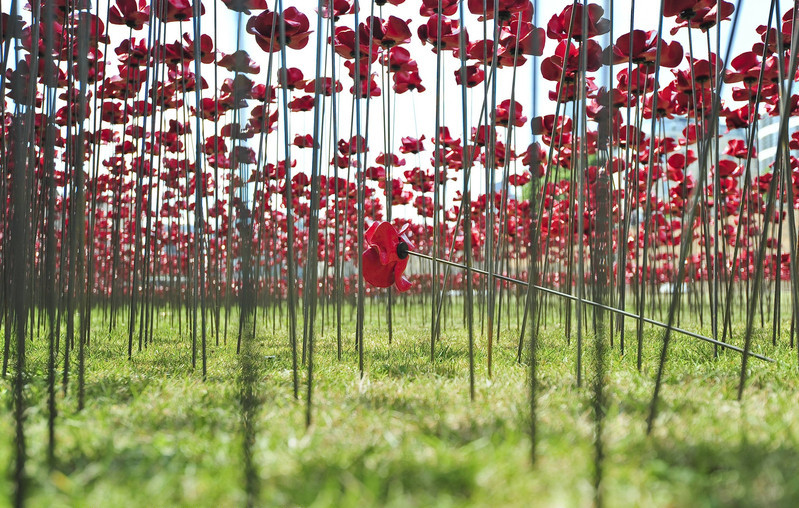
x,y
368,88
737,118
386,256
644,49
544,125
245,5
337,8
637,83
207,53
558,26
175,10
522,38
507,113
449,36
552,67
412,145
304,103
390,32
130,13
239,61
700,14
399,59
399,196
474,75
737,148
485,10
728,168
306,141
483,52
266,29
404,81
133,52
684,9
260,93
431,7
326,86
290,78
376,173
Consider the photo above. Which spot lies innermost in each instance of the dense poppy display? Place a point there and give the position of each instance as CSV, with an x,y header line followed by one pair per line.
x,y
246,165
157,158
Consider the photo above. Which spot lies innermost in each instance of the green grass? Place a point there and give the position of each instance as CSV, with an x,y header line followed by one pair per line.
x,y
154,434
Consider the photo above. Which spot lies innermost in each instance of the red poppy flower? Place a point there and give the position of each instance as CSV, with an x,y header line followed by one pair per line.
x,y
386,256
368,88
337,8
474,75
728,168
644,49
506,8
175,10
522,38
261,94
127,12
412,145
304,103
430,7
207,53
449,36
399,59
325,85
446,139
404,81
505,111
290,78
737,148
344,43
239,61
390,32
266,25
639,82
552,67
245,5
306,141
398,195
133,52
737,118
684,9
700,14
483,51
558,26
376,173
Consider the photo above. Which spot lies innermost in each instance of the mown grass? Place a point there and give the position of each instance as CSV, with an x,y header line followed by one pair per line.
x,y
153,433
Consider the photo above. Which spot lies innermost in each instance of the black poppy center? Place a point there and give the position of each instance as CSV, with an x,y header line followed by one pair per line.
x,y
402,250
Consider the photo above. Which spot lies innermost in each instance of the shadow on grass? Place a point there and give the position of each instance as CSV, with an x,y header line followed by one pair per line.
x,y
373,476
748,474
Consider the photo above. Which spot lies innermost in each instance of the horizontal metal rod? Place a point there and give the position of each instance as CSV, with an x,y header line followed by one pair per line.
x,y
598,305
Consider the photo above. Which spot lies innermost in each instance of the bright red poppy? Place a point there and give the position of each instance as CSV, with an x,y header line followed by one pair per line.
x,y
386,256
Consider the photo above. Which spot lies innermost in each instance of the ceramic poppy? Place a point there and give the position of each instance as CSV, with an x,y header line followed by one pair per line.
x,y
386,256
131,13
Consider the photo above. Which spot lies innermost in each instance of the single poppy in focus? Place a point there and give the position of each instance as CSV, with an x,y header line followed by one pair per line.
x,y
386,256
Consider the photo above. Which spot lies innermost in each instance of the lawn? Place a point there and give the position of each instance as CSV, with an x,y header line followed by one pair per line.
x,y
154,433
